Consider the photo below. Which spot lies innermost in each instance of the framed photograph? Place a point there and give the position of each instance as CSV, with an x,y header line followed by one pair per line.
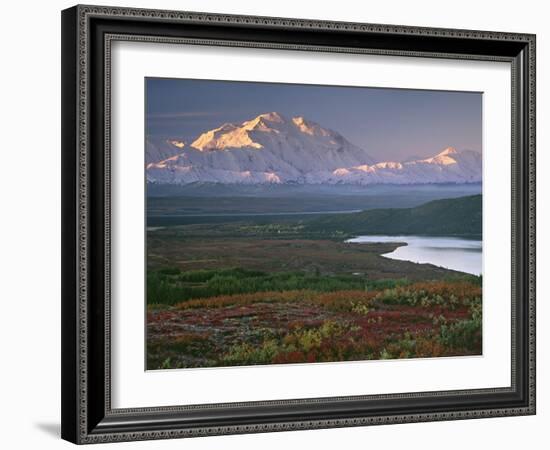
x,y
280,224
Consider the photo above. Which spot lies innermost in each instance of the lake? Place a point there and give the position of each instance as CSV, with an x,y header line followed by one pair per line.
x,y
453,253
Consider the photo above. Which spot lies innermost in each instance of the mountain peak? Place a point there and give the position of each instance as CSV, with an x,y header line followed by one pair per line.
x,y
264,122
272,117
227,135
301,121
446,157
177,143
311,128
448,151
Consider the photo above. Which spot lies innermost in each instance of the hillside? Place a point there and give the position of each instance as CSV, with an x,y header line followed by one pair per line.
x,y
447,217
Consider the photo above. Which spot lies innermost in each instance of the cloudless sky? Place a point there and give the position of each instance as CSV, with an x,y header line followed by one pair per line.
x,y
389,124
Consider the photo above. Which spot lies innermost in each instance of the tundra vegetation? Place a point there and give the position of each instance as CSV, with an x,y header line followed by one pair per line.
x,y
239,317
290,290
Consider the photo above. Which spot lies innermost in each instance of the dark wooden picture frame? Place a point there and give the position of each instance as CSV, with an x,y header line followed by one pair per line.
x,y
87,33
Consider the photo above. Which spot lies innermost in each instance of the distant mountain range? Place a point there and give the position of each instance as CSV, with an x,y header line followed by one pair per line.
x,y
272,149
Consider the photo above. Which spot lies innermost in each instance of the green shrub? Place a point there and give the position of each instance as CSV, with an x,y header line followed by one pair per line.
x,y
463,333
169,285
242,354
170,271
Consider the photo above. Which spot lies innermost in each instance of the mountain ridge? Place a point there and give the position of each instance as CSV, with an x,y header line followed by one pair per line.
x,y
461,216
271,148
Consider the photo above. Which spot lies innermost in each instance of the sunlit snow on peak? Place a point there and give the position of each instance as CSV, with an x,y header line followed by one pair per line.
x,y
270,148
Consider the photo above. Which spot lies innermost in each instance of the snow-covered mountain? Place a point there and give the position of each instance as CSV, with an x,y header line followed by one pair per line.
x,y
160,149
273,149
449,166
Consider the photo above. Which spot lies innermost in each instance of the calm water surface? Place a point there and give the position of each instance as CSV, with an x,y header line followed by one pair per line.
x,y
453,253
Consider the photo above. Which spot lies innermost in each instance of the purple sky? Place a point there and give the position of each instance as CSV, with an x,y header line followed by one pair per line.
x,y
389,124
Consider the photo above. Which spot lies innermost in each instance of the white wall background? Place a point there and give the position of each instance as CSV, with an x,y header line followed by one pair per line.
x,y
30,228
